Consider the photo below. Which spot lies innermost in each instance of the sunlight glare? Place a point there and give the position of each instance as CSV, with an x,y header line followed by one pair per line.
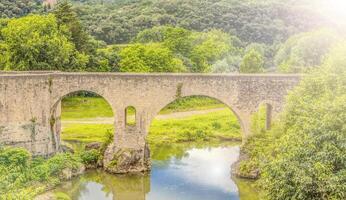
x,y
335,10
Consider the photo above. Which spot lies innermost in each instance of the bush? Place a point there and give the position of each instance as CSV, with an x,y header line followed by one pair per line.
x,y
90,157
22,177
63,161
16,157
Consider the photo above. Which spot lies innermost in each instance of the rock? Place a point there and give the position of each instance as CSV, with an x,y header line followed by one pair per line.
x,y
68,173
93,145
126,160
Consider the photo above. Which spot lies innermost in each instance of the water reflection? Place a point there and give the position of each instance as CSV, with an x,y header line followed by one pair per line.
x,y
186,172
201,174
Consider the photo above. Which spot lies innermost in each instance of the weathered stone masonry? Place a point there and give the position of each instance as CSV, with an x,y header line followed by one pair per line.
x,y
30,102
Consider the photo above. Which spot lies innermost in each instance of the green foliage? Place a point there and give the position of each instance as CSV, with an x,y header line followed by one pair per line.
x,y
18,8
258,120
66,16
303,157
36,43
14,158
86,132
85,107
198,50
252,62
252,21
208,48
314,137
178,40
302,52
152,57
107,59
192,103
218,125
90,157
23,177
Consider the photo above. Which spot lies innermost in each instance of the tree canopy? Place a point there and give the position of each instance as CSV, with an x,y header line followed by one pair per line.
x,y
252,62
151,57
266,22
305,51
36,43
19,8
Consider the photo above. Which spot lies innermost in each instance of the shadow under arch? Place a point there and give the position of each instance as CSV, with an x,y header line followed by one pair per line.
x,y
233,110
56,111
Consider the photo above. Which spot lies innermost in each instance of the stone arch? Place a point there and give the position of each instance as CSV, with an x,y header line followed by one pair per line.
x,y
55,114
242,119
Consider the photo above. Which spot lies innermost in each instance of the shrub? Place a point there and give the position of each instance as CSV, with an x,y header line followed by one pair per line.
x,y
22,177
90,157
14,157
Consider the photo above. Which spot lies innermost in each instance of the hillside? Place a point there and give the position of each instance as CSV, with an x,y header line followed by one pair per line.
x,y
18,8
220,36
252,21
119,21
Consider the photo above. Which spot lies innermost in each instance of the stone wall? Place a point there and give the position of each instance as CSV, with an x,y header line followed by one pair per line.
x,y
30,102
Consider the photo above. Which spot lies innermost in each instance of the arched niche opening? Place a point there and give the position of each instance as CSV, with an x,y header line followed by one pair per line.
x,y
130,116
261,121
195,120
82,117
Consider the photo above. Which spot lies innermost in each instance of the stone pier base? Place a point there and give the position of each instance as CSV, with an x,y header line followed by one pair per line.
x,y
126,160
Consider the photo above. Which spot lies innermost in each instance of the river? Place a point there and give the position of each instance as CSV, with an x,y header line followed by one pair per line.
x,y
179,172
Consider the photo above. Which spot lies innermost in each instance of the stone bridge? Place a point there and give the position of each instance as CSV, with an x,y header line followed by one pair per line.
x,y
30,102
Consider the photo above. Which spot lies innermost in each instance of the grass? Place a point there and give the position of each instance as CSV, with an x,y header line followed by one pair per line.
x,y
192,103
92,107
85,107
220,124
86,132
215,125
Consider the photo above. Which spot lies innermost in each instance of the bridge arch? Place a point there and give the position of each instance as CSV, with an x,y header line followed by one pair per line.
x,y
242,121
56,111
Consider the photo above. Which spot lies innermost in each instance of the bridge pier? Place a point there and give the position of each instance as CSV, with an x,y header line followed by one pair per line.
x,y
129,153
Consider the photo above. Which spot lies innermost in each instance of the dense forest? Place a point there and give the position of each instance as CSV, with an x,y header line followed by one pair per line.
x,y
252,21
257,36
116,21
19,8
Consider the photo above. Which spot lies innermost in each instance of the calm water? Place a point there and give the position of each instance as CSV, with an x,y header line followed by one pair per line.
x,y
179,172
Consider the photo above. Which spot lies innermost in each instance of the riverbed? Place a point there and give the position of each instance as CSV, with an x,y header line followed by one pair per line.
x,y
179,172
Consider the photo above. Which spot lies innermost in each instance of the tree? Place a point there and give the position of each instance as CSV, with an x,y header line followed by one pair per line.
x,y
19,8
66,16
252,62
152,57
36,43
198,50
208,47
258,21
177,39
305,51
308,161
